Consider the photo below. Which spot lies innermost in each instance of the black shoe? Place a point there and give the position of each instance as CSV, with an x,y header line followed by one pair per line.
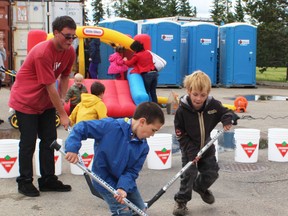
x,y
52,183
206,196
28,189
180,209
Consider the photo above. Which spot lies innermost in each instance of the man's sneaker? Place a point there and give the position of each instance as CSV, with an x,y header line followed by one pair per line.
x,y
206,196
180,209
52,184
28,189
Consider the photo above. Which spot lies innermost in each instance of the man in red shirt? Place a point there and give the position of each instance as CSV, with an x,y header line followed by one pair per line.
x,y
34,97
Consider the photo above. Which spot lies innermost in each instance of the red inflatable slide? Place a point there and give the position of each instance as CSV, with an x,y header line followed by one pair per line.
x,y
117,97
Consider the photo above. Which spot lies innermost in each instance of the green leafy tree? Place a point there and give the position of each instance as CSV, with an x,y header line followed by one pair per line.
x,y
185,9
108,10
229,14
152,9
239,11
271,18
119,8
97,8
85,15
147,9
218,12
170,8
221,12
130,9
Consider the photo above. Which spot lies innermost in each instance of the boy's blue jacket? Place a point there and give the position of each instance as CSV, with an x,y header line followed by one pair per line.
x,y
117,159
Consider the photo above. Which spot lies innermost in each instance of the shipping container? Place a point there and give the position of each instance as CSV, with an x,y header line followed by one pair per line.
x,y
32,15
5,33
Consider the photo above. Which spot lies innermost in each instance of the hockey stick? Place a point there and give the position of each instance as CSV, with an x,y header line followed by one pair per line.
x,y
190,163
104,184
6,71
87,177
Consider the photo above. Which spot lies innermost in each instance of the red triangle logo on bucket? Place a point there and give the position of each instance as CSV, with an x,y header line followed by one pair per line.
x,y
8,162
282,147
56,158
249,148
87,159
163,155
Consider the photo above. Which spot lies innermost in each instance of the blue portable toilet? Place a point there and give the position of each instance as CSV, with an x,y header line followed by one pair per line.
x,y
123,25
237,64
165,42
184,48
202,41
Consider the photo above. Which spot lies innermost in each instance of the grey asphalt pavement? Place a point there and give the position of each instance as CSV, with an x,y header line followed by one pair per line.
x,y
243,189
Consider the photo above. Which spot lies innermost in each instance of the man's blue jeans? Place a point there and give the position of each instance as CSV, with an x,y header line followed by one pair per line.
x,y
121,209
150,81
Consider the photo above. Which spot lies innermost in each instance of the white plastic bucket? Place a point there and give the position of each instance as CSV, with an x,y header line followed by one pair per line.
x,y
212,134
9,163
247,145
160,153
57,159
87,154
278,144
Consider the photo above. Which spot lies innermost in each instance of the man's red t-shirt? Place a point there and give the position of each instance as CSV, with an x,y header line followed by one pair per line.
x,y
41,67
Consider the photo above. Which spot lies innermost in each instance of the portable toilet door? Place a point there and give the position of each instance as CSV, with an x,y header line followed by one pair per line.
x,y
165,41
202,48
237,55
184,50
125,26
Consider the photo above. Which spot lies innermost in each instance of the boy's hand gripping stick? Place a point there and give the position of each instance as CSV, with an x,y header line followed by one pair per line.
x,y
104,184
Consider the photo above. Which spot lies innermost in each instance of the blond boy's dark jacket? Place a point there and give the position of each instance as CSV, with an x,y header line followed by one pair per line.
x,y
193,127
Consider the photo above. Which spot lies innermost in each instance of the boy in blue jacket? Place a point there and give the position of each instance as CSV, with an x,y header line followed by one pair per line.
x,y
120,151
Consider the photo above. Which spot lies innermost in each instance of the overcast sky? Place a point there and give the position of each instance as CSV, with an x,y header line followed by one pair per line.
x,y
203,7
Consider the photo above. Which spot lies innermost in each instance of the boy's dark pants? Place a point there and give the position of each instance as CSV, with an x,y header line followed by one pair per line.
x,y
208,173
31,125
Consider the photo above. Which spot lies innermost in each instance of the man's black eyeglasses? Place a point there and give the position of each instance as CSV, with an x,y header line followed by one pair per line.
x,y
69,36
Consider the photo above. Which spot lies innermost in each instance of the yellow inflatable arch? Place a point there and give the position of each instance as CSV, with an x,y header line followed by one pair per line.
x,y
106,35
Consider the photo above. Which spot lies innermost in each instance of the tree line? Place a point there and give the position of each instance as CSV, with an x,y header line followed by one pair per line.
x,y
269,16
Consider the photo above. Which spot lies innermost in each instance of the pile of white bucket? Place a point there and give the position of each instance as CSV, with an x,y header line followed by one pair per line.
x,y
9,163
247,144
160,154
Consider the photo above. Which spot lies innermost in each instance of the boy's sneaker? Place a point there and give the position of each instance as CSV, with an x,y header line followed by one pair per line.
x,y
180,209
28,189
206,196
52,184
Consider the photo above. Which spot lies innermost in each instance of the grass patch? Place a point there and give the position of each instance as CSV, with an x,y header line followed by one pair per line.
x,y
272,74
